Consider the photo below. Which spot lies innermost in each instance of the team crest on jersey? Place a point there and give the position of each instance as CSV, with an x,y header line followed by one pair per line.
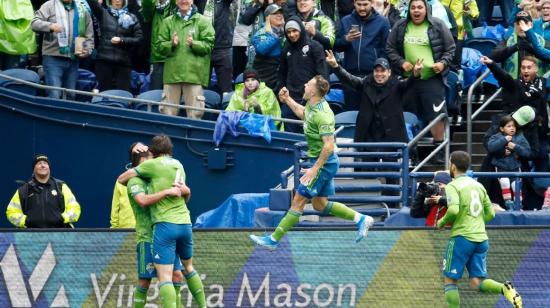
x,y
150,268
134,189
54,192
325,127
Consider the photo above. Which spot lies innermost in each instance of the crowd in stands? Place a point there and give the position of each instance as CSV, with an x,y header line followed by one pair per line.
x,y
390,55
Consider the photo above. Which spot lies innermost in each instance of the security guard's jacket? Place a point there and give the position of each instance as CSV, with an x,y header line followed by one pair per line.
x,y
48,205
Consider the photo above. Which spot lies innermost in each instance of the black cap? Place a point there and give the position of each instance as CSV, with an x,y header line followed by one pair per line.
x,y
383,63
39,157
523,15
272,9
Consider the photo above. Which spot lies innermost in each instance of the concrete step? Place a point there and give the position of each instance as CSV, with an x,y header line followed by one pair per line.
x,y
462,136
477,147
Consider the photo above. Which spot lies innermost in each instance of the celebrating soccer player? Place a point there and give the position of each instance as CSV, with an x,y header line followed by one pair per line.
x,y
317,182
469,208
172,233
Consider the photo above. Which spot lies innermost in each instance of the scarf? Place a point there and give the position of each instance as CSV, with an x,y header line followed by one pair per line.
x,y
125,20
78,24
534,88
187,16
511,65
161,6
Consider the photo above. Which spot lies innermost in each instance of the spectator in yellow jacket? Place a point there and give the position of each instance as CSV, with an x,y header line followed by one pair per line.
x,y
43,202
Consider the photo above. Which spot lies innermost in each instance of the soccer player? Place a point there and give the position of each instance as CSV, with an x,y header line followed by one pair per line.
x,y
317,182
469,208
139,201
172,233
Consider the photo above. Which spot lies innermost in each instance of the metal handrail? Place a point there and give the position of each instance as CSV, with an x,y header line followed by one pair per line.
x,y
474,85
446,141
129,99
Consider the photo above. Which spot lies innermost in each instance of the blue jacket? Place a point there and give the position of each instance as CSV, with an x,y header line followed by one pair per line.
x,y
359,55
267,44
496,147
542,28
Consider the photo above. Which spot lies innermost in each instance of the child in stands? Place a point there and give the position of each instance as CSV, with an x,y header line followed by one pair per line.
x,y
508,147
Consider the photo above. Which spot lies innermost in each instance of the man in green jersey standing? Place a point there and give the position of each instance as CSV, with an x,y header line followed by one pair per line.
x,y
469,208
172,233
139,201
317,182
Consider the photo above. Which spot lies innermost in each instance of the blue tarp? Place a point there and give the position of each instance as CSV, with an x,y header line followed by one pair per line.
x,y
256,125
235,212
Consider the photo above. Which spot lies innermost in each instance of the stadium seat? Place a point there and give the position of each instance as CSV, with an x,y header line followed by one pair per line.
x,y
239,79
86,81
452,92
497,17
348,120
23,74
335,99
212,99
152,95
484,45
334,82
226,98
412,123
113,102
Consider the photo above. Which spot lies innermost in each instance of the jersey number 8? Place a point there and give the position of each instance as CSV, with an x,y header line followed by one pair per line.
x,y
475,204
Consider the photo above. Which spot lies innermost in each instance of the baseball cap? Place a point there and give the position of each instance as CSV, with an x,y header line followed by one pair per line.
x,y
38,158
524,115
272,9
442,177
383,63
523,15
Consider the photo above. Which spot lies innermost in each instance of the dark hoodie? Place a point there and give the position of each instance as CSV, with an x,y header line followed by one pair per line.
x,y
300,61
441,39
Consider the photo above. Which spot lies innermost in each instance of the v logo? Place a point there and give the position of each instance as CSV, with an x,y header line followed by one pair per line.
x,y
15,284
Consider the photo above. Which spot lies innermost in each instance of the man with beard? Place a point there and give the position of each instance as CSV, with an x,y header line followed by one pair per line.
x,y
362,37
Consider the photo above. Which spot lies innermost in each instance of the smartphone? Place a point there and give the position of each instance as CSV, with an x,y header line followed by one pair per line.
x,y
355,28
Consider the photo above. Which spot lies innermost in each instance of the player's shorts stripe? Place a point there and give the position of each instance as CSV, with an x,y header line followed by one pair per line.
x,y
450,255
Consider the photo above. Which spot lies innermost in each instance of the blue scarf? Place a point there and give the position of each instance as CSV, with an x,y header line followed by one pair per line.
x,y
125,20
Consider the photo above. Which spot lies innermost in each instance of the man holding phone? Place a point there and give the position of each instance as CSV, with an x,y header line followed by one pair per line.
x,y
362,37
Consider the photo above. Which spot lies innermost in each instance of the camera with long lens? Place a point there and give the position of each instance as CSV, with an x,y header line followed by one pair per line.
x,y
428,189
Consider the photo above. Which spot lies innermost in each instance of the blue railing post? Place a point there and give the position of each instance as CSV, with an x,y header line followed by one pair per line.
x,y
405,175
517,193
297,155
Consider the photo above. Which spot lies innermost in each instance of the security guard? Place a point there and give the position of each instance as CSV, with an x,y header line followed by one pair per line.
x,y
43,202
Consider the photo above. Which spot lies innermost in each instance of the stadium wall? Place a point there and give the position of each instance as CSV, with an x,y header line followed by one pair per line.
x,y
396,268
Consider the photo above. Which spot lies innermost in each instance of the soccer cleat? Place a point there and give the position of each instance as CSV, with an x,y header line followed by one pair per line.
x,y
264,241
363,227
512,295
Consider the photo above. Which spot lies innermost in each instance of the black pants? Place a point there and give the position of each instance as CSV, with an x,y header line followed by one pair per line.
x,y
156,76
239,60
8,61
112,76
221,62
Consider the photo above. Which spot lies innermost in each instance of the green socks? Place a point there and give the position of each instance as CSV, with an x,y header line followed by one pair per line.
x,y
168,294
194,283
140,297
491,286
339,210
177,288
451,296
290,220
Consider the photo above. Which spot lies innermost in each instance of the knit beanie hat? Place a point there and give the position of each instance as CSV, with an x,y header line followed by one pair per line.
x,y
39,158
292,24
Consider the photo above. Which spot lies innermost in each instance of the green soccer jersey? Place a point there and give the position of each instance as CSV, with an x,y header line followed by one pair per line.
x,y
417,46
469,208
319,122
144,225
162,172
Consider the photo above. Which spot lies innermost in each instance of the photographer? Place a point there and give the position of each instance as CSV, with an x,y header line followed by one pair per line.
x,y
430,200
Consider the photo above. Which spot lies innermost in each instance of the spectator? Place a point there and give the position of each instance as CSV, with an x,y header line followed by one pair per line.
x,y
380,117
16,35
57,20
255,97
463,12
185,73
122,215
44,201
241,37
316,23
362,36
218,11
430,201
397,11
541,24
120,34
524,117
268,45
510,51
507,148
301,60
420,36
486,10
154,12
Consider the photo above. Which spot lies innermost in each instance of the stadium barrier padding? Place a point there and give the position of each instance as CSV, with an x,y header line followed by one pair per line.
x,y
390,268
